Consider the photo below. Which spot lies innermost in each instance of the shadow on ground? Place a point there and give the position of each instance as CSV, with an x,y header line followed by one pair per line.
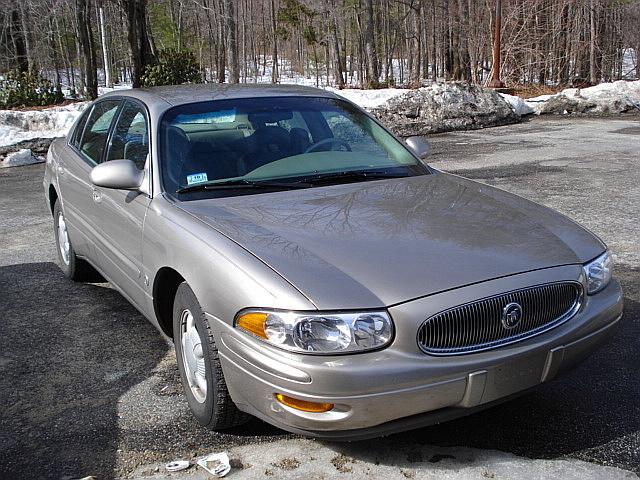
x,y
585,414
67,353
71,353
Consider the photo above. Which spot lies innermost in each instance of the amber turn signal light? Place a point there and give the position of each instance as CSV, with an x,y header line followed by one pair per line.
x,y
303,405
253,322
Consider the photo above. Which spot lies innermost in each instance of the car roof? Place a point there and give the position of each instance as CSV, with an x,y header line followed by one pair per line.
x,y
183,94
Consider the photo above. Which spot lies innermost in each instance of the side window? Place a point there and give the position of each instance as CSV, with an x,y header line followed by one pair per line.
x,y
77,133
96,131
130,139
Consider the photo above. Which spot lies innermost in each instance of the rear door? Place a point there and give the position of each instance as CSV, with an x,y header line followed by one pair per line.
x,y
120,214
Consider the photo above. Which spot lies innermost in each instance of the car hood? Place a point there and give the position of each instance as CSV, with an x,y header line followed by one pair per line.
x,y
380,243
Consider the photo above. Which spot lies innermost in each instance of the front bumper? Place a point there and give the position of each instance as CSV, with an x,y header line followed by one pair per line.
x,y
400,388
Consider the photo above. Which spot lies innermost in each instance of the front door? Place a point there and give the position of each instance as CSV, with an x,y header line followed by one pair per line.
x,y
85,150
120,214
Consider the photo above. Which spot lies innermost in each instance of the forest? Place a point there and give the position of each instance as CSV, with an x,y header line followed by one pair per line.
x,y
82,44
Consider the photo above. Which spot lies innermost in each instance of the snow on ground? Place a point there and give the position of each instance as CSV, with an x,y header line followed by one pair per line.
x,y
630,63
16,126
517,104
369,98
605,98
21,157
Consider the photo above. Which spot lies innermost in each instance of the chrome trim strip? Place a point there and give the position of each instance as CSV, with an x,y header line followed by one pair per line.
x,y
478,308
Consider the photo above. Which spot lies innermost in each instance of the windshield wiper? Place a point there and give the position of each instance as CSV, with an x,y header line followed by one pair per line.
x,y
351,175
242,183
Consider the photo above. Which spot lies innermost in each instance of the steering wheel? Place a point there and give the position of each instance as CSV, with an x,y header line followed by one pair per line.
x,y
328,141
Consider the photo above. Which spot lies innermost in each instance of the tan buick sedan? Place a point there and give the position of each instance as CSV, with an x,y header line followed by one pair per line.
x,y
311,269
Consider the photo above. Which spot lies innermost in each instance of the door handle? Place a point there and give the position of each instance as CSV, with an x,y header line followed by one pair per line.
x,y
95,194
60,169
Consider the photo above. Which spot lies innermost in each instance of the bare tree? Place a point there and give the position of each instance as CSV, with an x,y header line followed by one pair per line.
x,y
85,40
232,41
106,57
141,54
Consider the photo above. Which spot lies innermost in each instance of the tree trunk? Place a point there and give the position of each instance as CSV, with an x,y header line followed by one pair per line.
x,y
370,46
17,36
141,56
274,31
338,70
85,39
593,75
106,57
26,35
232,41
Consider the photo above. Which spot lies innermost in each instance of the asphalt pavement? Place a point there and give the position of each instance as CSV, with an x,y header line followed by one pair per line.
x,y
89,387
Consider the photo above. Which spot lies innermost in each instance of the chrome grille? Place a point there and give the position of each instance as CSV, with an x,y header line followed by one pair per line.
x,y
478,325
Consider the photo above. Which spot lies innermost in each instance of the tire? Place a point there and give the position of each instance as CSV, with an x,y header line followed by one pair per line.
x,y
73,267
212,406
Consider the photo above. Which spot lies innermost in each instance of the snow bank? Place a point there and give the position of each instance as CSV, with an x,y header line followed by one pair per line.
x,y
517,104
21,157
445,107
16,126
440,107
369,98
603,99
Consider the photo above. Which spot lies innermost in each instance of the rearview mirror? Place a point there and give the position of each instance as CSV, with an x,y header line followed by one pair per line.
x,y
117,174
418,146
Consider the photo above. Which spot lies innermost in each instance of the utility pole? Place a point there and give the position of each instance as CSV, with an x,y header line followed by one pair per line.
x,y
495,79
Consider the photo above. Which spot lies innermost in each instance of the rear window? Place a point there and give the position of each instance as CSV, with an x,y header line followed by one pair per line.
x,y
77,132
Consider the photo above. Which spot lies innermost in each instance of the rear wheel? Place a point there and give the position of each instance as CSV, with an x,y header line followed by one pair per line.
x,y
199,365
74,268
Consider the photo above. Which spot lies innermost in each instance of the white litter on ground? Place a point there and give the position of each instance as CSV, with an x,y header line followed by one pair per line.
x,y
217,464
21,157
177,465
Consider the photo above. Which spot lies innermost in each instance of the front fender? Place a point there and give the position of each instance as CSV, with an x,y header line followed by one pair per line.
x,y
224,277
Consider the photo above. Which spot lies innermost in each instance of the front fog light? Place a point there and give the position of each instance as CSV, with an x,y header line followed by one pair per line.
x,y
315,332
304,405
598,273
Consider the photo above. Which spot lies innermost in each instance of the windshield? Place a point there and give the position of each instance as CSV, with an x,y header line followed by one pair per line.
x,y
276,142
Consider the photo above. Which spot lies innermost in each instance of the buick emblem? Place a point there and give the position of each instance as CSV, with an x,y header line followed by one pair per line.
x,y
511,315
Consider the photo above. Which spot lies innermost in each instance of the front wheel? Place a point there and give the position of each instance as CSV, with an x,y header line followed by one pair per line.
x,y
199,365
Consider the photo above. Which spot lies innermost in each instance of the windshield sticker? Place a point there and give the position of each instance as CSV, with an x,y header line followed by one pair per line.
x,y
196,178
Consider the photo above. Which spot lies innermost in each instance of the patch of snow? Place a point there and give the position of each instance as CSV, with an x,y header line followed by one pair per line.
x,y
444,107
630,64
123,86
369,98
538,99
605,98
517,104
16,126
21,157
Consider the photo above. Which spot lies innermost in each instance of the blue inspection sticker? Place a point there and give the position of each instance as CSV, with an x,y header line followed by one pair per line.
x,y
196,178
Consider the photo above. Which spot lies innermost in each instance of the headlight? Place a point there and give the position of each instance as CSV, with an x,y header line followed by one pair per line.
x,y
311,332
598,273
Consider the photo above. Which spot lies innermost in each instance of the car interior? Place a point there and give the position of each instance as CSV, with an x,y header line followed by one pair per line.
x,y
234,148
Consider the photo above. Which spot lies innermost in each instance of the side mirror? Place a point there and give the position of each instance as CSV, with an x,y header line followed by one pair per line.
x,y
117,174
418,146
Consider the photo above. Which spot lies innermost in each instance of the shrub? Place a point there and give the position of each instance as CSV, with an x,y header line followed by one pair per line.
x,y
27,89
173,67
